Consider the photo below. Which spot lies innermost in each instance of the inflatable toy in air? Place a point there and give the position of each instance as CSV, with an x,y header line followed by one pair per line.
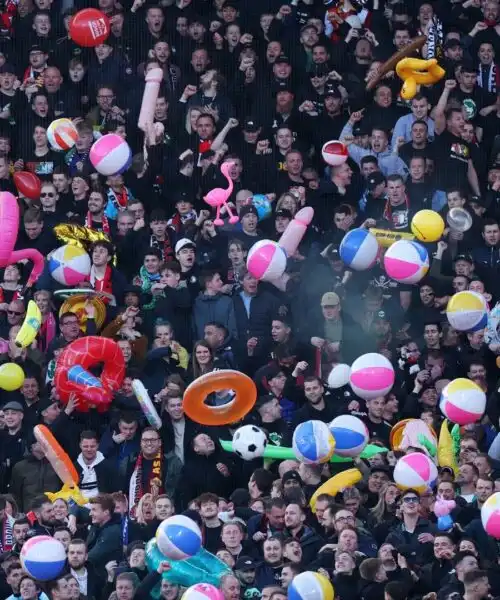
x,y
30,327
467,311
89,27
249,442
263,206
27,184
339,376
62,134
336,484
110,155
43,557
69,265
9,227
415,470
147,406
266,260
427,226
372,375
218,197
359,249
72,375
415,71
462,401
413,433
57,457
490,515
406,261
178,537
350,435
154,77
11,377
334,153
202,591
310,585
313,442
442,509
446,447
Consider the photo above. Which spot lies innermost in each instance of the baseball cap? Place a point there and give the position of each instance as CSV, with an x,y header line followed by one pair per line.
x,y
285,213
330,299
467,257
248,209
184,243
38,48
282,58
374,180
451,43
7,68
332,252
318,70
291,476
360,129
250,125
245,563
182,197
332,90
13,405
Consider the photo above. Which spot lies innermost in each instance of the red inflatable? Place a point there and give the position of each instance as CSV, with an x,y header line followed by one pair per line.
x,y
72,372
27,184
89,27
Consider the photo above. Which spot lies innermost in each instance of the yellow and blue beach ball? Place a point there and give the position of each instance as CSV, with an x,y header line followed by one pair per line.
x,y
310,586
467,311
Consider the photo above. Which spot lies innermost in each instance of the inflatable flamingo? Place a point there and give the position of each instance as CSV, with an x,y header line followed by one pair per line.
x,y
218,197
9,227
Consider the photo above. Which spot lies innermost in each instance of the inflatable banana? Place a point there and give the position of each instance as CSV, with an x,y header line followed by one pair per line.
x,y
416,71
30,327
445,451
386,238
335,484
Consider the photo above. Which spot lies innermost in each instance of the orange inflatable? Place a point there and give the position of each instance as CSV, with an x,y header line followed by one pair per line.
x,y
60,461
232,412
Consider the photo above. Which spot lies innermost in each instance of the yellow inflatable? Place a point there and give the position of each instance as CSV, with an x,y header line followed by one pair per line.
x,y
446,455
68,493
386,238
416,71
335,484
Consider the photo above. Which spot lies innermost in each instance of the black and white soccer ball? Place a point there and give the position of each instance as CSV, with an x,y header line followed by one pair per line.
x,y
249,442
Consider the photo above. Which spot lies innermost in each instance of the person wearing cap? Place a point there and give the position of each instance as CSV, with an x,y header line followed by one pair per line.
x,y
328,123
373,201
453,54
244,569
249,219
185,253
282,218
13,440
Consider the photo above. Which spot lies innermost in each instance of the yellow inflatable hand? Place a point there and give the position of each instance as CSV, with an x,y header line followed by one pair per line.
x,y
69,494
416,71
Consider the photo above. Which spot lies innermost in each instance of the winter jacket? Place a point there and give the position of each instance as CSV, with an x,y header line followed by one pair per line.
x,y
30,478
214,309
105,543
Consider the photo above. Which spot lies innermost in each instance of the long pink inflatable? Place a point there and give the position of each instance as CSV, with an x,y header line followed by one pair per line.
x,y
9,227
153,81
293,234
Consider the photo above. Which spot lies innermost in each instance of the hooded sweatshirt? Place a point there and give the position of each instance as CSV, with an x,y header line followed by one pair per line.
x,y
88,480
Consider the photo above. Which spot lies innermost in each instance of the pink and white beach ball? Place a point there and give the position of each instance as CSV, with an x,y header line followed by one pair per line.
x,y
406,261
462,401
371,375
266,260
490,515
110,155
415,470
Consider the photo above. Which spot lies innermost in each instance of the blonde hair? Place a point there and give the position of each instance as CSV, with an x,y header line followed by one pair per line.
x,y
379,510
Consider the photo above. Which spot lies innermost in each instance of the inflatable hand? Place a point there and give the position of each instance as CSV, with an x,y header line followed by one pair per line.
x,y
203,567
68,493
415,71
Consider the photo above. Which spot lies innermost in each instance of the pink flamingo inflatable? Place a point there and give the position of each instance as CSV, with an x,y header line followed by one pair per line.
x,y
218,197
9,227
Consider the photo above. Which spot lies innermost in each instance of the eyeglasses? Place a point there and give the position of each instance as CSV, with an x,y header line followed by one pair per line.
x,y
411,500
49,194
100,97
14,312
150,440
344,520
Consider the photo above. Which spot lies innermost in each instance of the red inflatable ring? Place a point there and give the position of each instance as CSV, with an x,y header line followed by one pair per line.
x,y
232,412
72,372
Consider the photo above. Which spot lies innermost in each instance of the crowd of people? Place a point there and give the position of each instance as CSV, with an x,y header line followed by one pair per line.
x,y
263,85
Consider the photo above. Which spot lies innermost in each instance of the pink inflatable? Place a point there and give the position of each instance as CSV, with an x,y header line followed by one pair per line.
x,y
9,227
217,197
153,81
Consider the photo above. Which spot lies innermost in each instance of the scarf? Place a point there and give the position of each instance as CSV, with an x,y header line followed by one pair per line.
x,y
167,252
146,280
492,79
102,285
105,223
177,221
73,159
121,199
7,538
47,332
15,296
154,484
88,479
435,39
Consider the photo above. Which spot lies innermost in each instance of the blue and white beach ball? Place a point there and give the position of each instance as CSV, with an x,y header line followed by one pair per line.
x,y
43,557
313,442
178,537
351,435
359,249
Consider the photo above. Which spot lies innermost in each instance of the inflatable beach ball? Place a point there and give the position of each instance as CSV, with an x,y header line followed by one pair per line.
x,y
406,261
62,134
313,442
359,249
351,435
310,586
89,27
372,375
69,265
110,155
490,515
43,557
467,311
266,260
415,470
339,376
202,591
178,537
334,153
427,226
462,401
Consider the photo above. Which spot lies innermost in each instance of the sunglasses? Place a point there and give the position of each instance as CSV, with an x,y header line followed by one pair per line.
x,y
48,194
411,500
14,312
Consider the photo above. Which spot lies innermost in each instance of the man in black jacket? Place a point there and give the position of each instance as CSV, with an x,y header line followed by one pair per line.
x,y
104,541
